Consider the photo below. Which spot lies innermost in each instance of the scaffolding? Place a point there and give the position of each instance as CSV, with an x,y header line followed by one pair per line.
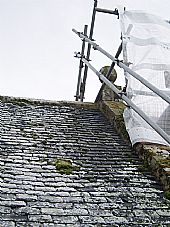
x,y
154,127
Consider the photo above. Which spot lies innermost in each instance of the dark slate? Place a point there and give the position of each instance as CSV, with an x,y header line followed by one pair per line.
x,y
111,188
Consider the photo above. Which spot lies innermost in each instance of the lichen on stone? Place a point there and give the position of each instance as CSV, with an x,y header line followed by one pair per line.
x,y
165,162
65,166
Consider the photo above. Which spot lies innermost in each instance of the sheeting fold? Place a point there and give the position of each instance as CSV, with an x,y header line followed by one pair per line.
x,y
146,49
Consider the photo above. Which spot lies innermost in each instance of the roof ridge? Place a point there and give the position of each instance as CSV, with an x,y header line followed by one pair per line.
x,y
34,101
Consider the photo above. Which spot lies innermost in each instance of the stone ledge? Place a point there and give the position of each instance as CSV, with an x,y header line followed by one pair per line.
x,y
157,158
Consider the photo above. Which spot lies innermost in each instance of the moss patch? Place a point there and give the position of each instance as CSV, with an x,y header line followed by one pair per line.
x,y
142,168
167,195
65,166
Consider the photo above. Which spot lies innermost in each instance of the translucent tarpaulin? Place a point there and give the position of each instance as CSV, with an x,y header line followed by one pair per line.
x,y
146,50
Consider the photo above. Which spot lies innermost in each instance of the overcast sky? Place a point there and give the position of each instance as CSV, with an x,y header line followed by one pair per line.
x,y
37,45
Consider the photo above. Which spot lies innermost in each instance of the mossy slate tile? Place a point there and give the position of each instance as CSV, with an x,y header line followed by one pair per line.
x,y
107,188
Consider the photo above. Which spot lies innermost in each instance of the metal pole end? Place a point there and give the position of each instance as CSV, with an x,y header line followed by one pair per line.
x,y
77,54
95,46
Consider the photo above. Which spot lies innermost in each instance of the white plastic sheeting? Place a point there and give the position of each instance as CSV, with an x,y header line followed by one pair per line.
x,y
146,50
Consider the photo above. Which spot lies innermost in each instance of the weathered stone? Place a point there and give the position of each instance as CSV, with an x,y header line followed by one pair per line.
x,y
7,224
65,219
26,197
5,210
40,218
53,211
13,204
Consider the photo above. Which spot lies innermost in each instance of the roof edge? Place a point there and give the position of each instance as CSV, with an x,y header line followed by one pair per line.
x,y
22,101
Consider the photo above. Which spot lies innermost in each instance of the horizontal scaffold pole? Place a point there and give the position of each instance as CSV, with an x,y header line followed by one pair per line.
x,y
126,68
128,101
115,12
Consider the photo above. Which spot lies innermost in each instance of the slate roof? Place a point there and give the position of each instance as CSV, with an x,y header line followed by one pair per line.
x,y
110,188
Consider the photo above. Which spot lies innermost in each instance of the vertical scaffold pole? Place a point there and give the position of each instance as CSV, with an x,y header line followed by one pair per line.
x,y
81,66
88,51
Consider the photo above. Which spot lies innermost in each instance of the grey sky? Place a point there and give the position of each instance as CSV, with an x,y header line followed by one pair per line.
x,y
37,45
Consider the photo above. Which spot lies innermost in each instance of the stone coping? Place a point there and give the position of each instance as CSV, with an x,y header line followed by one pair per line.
x,y
157,158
